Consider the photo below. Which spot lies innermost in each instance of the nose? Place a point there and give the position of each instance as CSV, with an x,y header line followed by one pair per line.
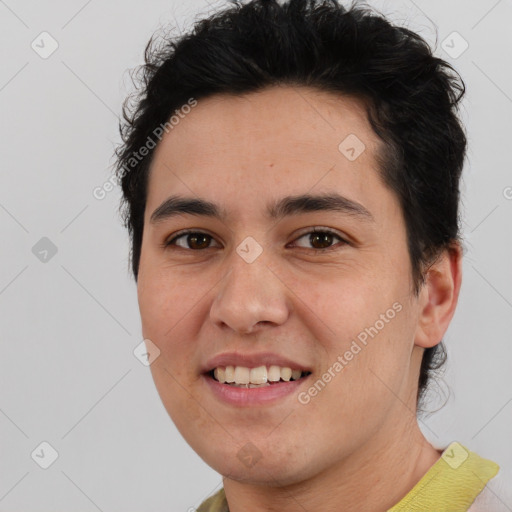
x,y
250,297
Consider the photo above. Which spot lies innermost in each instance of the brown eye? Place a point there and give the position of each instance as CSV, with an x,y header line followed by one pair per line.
x,y
324,239
321,239
194,240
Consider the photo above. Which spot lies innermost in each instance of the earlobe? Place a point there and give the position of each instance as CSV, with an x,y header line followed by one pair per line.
x,y
439,297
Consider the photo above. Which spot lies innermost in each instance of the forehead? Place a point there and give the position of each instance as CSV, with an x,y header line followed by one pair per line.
x,y
294,139
275,117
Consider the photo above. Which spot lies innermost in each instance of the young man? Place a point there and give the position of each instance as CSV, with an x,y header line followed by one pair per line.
x,y
291,185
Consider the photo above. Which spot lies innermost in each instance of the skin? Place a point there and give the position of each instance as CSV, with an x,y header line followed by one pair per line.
x,y
357,442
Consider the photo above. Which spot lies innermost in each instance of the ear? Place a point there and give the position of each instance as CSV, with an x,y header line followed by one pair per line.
x,y
439,296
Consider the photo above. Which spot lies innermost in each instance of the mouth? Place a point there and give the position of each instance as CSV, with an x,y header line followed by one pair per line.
x,y
259,377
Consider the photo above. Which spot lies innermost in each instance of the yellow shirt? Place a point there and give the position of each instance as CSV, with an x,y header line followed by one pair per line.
x,y
451,485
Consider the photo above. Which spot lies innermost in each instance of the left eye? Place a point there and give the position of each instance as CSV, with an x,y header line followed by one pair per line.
x,y
322,237
198,240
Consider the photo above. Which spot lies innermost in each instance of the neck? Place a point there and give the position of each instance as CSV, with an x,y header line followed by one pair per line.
x,y
373,478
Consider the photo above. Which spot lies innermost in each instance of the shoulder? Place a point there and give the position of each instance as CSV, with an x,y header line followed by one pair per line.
x,y
215,503
496,496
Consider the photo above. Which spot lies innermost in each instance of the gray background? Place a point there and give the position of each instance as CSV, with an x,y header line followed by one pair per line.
x,y
69,325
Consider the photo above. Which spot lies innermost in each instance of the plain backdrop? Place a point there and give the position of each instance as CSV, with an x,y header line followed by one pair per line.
x,y
69,319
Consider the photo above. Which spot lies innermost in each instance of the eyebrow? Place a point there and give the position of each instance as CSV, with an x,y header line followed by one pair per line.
x,y
284,207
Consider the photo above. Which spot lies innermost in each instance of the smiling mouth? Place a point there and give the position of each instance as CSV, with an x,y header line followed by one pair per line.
x,y
262,376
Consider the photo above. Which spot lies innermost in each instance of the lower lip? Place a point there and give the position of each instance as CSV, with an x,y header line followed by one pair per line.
x,y
253,396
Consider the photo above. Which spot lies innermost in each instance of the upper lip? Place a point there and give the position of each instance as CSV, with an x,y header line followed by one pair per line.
x,y
251,361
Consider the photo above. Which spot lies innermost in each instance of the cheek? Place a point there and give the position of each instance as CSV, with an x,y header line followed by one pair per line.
x,y
376,377
168,321
343,302
366,332
164,300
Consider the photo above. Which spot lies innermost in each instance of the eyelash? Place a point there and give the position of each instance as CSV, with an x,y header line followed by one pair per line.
x,y
315,230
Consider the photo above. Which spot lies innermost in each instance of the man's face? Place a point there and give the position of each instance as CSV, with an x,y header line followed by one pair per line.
x,y
312,299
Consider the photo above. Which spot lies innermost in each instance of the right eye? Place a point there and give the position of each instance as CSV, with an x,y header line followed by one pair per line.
x,y
194,240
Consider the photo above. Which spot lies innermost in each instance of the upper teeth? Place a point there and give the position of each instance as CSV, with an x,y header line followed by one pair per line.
x,y
260,375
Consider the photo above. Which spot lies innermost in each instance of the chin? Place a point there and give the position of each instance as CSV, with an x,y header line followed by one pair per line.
x,y
250,467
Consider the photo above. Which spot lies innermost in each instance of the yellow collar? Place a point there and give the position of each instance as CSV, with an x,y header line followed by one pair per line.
x,y
452,483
